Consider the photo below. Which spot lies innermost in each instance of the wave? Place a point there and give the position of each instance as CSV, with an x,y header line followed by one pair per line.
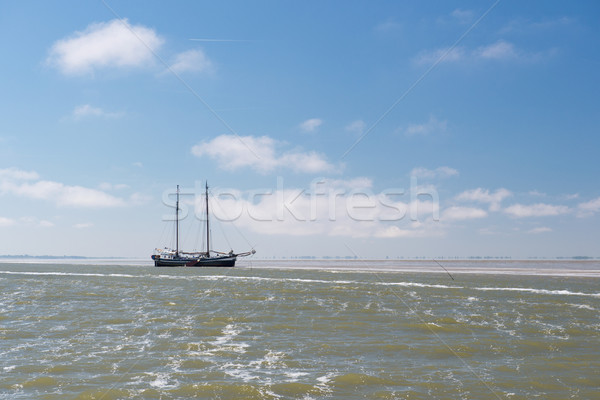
x,y
562,292
559,292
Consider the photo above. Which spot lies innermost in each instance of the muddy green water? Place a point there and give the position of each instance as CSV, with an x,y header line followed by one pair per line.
x,y
376,332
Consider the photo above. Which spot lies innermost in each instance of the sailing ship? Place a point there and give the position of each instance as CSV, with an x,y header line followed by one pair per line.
x,y
210,258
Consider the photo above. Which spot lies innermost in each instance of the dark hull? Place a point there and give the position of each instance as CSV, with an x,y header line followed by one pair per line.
x,y
225,261
228,261
173,262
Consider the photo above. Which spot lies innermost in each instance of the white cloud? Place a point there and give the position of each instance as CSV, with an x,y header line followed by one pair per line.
x,y
462,16
536,210
83,225
426,128
330,207
115,43
446,54
501,50
356,127
191,61
541,229
387,26
86,110
33,221
588,208
536,193
17,174
139,199
45,224
4,222
462,213
440,172
480,195
20,183
259,153
311,125
65,195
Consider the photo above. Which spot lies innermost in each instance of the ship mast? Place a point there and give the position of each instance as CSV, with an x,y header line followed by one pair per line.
x,y
207,225
177,224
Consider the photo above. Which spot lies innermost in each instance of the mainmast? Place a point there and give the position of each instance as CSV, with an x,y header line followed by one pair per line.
x,y
177,224
207,224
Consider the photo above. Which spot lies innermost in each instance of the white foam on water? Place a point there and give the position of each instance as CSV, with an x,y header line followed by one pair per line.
x,y
416,284
561,292
238,371
229,332
225,342
582,306
161,380
294,376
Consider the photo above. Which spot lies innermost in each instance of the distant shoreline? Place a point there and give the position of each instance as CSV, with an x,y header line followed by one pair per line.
x,y
322,258
47,257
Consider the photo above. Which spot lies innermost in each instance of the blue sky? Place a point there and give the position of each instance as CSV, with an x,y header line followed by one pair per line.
x,y
338,128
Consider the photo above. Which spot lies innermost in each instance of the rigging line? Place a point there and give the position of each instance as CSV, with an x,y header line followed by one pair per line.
x,y
423,76
181,80
443,268
232,224
220,225
437,336
162,236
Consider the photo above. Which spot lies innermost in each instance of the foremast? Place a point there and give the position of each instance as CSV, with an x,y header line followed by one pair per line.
x,y
177,224
207,223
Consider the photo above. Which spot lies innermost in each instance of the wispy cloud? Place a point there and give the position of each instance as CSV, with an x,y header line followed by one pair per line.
x,y
479,195
27,184
11,174
35,222
261,154
89,111
311,125
462,16
541,229
219,40
536,210
457,213
83,225
357,127
588,208
449,55
500,50
191,61
440,172
115,43
432,125
4,222
388,26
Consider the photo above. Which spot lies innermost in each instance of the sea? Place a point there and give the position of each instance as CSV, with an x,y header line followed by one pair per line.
x,y
300,329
